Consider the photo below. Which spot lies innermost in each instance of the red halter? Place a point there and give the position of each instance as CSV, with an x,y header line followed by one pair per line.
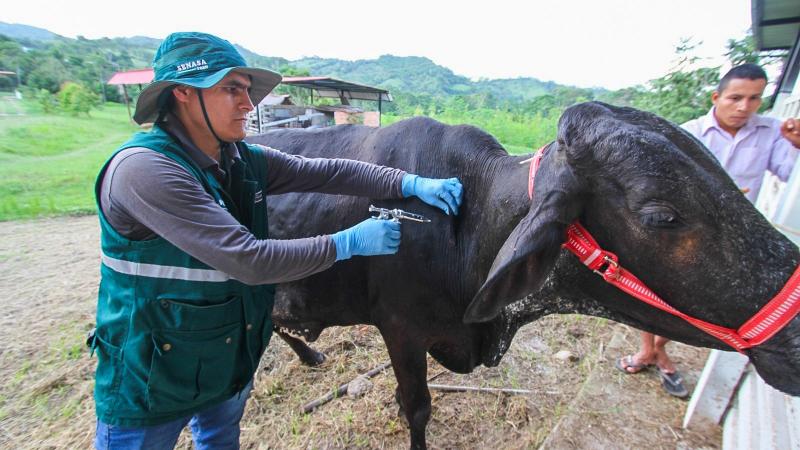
x,y
762,326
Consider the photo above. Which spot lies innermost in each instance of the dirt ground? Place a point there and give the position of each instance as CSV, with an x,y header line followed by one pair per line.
x,y
48,279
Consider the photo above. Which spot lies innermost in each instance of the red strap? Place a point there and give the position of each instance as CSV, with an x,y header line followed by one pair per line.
x,y
537,159
772,317
762,326
775,314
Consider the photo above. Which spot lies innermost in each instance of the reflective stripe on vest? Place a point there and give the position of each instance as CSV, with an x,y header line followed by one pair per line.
x,y
159,271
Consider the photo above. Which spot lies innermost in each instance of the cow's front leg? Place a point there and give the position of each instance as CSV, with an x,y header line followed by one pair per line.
x,y
411,368
307,355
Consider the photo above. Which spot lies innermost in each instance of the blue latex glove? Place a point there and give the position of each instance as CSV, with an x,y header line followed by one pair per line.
x,y
368,238
444,194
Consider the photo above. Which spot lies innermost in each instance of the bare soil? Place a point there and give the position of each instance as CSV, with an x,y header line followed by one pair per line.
x,y
48,280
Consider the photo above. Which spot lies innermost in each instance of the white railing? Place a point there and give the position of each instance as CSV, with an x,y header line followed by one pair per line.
x,y
786,107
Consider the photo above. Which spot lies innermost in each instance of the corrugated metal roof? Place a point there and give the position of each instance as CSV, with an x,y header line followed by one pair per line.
x,y
333,88
280,99
141,76
776,23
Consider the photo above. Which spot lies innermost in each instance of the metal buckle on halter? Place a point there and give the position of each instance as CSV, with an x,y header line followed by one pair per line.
x,y
607,272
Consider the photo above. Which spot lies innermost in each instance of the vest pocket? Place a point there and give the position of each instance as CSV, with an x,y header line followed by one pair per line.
x,y
189,368
196,314
108,361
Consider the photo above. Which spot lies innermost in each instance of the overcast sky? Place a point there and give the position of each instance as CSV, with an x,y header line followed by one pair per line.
x,y
608,43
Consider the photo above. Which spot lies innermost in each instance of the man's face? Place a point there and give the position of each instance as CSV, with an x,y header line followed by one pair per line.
x,y
738,102
227,104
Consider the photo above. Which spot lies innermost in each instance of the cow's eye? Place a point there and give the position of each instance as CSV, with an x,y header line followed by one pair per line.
x,y
661,218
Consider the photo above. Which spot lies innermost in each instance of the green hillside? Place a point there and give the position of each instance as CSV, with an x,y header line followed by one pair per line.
x,y
419,75
265,62
45,60
516,89
395,73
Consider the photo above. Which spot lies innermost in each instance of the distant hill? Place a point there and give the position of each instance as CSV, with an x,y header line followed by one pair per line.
x,y
407,74
399,73
517,89
27,32
266,62
416,74
143,41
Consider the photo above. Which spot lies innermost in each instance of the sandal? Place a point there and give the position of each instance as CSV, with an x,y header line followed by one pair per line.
x,y
673,384
625,363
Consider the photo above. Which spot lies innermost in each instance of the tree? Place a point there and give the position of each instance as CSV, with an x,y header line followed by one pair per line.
x,y
629,96
685,92
76,98
46,100
48,74
741,51
544,105
559,99
11,54
299,95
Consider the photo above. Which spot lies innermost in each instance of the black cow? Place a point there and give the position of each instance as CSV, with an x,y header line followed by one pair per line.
x,y
647,190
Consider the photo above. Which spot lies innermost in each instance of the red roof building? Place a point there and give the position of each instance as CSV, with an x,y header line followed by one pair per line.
x,y
140,76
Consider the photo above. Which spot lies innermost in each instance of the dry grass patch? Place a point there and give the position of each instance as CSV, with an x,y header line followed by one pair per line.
x,y
49,274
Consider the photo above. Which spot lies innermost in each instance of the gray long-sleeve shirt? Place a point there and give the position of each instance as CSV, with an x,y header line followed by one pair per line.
x,y
145,194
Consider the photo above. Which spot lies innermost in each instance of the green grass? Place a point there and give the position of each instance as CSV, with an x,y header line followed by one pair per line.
x,y
50,161
9,104
518,133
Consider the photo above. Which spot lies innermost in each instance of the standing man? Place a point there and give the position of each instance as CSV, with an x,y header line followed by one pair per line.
x,y
186,291
746,145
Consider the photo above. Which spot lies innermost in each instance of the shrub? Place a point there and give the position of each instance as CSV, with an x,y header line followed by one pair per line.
x,y
46,100
75,98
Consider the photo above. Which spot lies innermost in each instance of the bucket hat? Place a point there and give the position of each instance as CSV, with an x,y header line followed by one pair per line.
x,y
199,60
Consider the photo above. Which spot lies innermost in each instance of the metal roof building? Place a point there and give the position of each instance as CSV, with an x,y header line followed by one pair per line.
x,y
139,76
322,87
343,90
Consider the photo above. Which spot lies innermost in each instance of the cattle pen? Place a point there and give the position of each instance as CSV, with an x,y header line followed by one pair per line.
x,y
280,110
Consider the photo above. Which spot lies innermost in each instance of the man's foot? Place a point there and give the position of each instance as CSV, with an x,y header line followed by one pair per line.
x,y
673,383
628,364
663,362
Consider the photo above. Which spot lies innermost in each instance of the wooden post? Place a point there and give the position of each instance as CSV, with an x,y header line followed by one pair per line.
x,y
103,87
127,103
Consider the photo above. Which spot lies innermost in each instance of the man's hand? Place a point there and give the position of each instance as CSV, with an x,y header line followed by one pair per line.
x,y
790,129
368,238
444,194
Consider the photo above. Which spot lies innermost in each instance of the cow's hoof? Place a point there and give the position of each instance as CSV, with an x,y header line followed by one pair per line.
x,y
312,358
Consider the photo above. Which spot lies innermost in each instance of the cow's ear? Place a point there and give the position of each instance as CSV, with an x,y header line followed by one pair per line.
x,y
529,253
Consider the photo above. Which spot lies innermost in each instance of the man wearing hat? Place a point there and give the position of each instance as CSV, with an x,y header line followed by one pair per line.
x,y
187,269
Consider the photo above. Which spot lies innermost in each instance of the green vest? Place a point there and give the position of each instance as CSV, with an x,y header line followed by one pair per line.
x,y
174,336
